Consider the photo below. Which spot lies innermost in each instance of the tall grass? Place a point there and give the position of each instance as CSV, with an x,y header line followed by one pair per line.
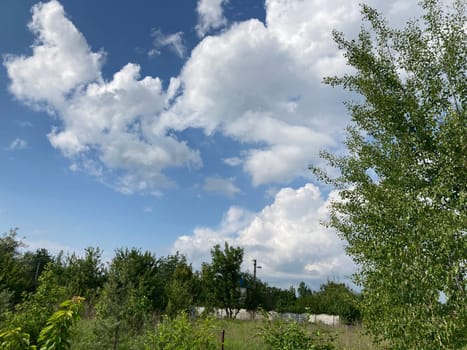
x,y
239,335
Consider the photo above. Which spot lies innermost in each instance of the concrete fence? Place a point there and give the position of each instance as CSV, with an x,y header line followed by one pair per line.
x,y
243,314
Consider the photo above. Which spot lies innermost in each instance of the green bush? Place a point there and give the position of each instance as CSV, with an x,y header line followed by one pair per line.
x,y
181,333
281,335
15,339
55,336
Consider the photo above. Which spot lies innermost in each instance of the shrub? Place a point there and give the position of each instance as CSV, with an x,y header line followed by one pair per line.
x,y
181,333
15,339
55,336
280,335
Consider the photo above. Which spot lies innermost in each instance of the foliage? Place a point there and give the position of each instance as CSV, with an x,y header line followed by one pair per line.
x,y
284,299
338,299
12,277
254,295
5,305
60,280
56,335
180,290
274,298
34,263
32,314
83,275
15,339
280,335
181,333
222,278
402,206
19,272
303,290
127,296
172,276
333,299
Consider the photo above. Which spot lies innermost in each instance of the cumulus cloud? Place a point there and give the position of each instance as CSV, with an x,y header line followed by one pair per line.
x,y
259,84
218,185
61,59
110,120
17,144
286,237
173,41
197,245
210,16
256,83
104,125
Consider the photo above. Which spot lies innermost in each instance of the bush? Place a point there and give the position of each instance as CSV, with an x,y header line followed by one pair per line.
x,y
15,339
181,333
280,335
55,336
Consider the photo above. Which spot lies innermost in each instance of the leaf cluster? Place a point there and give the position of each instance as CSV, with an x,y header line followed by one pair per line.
x,y
56,335
402,207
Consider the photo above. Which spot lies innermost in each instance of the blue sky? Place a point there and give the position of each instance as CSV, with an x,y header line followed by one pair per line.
x,y
173,125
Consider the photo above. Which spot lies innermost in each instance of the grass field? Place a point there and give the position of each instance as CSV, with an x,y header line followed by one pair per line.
x,y
239,335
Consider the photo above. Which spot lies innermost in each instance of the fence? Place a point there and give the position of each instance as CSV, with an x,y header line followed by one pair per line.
x,y
243,314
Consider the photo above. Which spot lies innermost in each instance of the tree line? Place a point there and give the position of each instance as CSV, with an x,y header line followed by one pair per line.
x,y
136,288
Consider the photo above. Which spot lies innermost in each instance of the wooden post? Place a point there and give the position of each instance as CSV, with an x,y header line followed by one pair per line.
x,y
222,339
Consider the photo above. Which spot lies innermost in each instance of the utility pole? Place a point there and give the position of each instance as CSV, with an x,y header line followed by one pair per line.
x,y
255,295
254,270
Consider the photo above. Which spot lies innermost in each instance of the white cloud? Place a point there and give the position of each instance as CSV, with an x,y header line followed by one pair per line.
x,y
61,60
198,245
173,41
154,52
111,119
89,166
286,238
233,161
225,187
17,144
252,87
261,84
210,16
104,124
257,83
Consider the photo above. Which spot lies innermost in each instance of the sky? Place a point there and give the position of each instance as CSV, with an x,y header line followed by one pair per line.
x,y
175,125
